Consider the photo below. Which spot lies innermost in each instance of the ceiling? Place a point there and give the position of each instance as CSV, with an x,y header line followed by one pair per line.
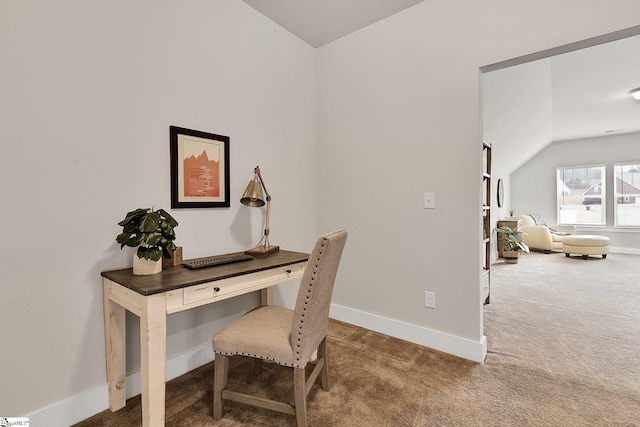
x,y
319,22
590,87
590,90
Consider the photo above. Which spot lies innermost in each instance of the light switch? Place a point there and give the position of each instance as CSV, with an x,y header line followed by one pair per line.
x,y
429,200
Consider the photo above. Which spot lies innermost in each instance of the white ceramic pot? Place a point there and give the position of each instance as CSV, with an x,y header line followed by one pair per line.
x,y
145,267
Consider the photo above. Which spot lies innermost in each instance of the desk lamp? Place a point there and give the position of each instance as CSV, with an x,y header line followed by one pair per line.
x,y
253,197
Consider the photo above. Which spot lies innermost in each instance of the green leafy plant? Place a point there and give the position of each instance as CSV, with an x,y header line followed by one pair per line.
x,y
513,239
151,231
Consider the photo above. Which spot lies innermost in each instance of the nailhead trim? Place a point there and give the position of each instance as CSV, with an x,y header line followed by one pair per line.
x,y
255,356
304,309
300,325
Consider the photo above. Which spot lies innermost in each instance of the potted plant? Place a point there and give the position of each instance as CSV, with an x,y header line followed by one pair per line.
x,y
513,241
152,232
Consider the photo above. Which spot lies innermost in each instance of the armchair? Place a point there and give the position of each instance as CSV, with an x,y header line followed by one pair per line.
x,y
542,237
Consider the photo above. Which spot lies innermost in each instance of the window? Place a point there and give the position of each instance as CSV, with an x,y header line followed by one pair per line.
x,y
627,194
581,195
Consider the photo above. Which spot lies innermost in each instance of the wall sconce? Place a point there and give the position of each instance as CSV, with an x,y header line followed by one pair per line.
x,y
635,93
253,197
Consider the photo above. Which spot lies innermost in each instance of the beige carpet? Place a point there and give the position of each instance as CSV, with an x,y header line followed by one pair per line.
x,y
564,350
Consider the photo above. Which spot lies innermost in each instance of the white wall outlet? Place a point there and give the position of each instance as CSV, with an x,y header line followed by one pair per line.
x,y
429,299
429,200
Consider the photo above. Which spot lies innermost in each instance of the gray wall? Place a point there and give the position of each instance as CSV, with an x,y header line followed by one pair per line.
x,y
533,184
398,111
89,90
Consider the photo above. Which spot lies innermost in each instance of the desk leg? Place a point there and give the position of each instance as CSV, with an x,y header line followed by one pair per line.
x,y
153,349
266,296
114,334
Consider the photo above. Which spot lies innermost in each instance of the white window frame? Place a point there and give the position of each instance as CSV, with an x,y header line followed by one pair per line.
x,y
620,195
570,202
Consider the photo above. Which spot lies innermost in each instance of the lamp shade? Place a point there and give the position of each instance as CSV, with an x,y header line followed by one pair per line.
x,y
253,195
635,94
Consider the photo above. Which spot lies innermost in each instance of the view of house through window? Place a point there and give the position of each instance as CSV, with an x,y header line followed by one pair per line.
x,y
581,195
627,194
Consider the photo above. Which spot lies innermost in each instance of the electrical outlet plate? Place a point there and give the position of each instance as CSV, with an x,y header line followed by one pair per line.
x,y
429,299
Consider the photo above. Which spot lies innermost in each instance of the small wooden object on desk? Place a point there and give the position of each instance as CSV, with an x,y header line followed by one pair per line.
x,y
176,258
262,251
510,222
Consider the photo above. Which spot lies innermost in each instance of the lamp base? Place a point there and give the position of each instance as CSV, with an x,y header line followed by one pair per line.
x,y
262,251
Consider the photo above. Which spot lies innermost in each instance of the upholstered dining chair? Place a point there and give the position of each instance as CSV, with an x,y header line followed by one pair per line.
x,y
284,336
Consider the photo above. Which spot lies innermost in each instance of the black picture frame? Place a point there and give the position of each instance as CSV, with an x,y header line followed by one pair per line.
x,y
199,169
500,193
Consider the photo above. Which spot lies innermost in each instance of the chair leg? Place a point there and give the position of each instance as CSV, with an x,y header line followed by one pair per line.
x,y
220,371
324,375
300,396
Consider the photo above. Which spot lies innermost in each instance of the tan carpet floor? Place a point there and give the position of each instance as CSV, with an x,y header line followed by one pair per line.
x,y
563,350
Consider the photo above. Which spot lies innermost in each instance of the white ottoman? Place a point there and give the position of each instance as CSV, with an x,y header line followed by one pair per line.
x,y
585,245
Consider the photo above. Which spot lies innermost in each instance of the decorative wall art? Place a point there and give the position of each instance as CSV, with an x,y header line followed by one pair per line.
x,y
199,169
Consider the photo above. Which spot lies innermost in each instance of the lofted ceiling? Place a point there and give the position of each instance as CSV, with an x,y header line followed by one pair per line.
x,y
319,22
590,90
576,95
589,87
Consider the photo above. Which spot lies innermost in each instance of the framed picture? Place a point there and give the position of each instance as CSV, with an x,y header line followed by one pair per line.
x,y
199,169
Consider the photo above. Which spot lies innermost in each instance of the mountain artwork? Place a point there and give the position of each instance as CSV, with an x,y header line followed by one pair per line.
x,y
201,176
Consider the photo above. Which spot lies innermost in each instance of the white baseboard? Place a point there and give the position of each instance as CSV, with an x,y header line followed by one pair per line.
x,y
84,405
627,251
461,347
72,410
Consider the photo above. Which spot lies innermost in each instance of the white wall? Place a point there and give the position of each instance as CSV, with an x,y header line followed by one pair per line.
x,y
517,112
540,173
517,121
89,90
398,115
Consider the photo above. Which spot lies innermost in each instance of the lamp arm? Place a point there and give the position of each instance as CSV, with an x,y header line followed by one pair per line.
x,y
268,212
266,222
257,172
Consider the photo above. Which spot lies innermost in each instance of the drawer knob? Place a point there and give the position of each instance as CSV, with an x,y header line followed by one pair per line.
x,y
288,271
217,289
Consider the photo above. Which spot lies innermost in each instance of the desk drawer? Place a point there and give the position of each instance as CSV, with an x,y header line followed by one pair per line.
x,y
199,292
215,291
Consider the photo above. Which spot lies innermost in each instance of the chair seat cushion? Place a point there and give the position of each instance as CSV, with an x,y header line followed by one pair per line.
x,y
264,333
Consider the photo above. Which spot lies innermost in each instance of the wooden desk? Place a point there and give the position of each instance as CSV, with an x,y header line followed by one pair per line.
x,y
176,289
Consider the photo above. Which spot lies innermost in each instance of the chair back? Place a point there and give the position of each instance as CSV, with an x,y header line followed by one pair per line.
x,y
311,315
